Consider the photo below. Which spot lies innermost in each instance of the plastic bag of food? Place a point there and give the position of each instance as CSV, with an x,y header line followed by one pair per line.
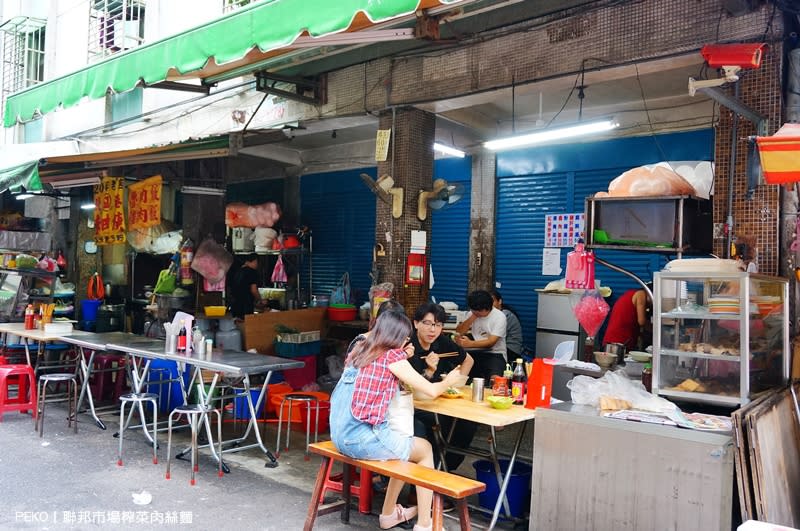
x,y
616,385
212,261
590,311
244,215
26,261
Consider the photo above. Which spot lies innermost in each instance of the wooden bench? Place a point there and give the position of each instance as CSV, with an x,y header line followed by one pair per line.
x,y
441,483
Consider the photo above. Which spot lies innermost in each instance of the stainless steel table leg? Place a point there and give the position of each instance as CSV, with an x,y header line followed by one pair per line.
x,y
86,371
501,497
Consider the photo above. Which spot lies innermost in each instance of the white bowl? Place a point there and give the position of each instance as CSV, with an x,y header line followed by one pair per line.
x,y
640,356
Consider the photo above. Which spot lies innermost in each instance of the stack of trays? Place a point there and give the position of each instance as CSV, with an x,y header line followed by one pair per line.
x,y
723,304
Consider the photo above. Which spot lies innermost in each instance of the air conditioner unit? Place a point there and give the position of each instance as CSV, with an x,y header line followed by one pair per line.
x,y
126,33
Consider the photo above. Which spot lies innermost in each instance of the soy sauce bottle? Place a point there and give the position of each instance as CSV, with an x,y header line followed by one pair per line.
x,y
519,382
181,346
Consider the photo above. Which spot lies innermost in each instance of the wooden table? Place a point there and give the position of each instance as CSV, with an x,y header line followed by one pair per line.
x,y
482,413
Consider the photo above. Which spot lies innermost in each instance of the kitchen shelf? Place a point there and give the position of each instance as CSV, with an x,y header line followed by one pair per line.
x,y
708,398
669,224
706,315
699,355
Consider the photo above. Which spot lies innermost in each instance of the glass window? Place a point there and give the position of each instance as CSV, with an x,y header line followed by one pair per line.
x,y
114,26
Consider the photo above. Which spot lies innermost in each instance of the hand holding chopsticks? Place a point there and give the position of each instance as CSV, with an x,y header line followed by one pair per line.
x,y
442,355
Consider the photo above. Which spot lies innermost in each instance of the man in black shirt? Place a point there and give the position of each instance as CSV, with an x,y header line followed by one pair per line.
x,y
244,287
429,341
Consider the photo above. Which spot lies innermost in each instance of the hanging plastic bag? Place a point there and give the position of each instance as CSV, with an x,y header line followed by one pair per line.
x,y
590,311
341,293
167,281
279,272
212,261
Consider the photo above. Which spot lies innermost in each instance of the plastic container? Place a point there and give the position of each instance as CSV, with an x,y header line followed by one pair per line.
x,y
229,339
518,491
169,393
273,390
342,312
294,350
89,309
240,408
299,378
300,409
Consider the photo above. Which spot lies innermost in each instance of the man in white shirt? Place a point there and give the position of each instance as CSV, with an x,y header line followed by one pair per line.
x,y
487,325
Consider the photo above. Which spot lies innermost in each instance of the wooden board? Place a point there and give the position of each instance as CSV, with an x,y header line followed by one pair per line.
x,y
259,328
774,434
744,478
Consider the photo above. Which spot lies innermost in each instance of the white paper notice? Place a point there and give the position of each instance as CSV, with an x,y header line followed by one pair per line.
x,y
551,261
419,240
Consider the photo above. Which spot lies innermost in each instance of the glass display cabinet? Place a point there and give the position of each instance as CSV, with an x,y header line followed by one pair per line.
x,y
719,338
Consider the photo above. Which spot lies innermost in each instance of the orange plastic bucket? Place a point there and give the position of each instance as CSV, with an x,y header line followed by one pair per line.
x,y
298,411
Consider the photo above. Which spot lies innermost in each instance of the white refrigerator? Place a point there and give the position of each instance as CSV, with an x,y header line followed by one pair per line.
x,y
555,323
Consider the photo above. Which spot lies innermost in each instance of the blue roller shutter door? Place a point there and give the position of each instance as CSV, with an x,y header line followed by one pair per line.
x,y
340,210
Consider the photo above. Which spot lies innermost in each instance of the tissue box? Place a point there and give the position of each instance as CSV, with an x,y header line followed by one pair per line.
x,y
58,328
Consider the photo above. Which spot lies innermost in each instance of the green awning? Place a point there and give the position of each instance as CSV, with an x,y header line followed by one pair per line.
x,y
24,175
265,26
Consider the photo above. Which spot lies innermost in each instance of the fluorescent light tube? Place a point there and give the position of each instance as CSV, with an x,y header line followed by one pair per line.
x,y
201,190
24,195
74,183
447,150
548,135
88,206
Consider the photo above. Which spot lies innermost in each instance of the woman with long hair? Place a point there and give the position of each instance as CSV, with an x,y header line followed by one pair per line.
x,y
359,428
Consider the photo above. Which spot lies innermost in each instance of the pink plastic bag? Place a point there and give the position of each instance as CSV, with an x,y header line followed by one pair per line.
x,y
590,311
279,273
212,261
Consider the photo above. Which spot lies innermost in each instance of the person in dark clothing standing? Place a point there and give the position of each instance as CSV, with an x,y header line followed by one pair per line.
x,y
244,288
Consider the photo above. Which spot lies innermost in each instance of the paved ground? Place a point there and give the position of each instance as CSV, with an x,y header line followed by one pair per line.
x,y
69,481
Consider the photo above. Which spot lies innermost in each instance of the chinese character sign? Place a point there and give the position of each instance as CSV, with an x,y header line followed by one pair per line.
x,y
109,218
563,230
144,203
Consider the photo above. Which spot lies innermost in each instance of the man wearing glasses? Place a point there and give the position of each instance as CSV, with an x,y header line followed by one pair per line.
x,y
436,354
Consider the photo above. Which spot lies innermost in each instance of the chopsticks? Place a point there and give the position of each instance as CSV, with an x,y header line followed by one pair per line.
x,y
442,355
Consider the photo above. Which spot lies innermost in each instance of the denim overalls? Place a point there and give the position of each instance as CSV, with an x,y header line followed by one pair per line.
x,y
359,439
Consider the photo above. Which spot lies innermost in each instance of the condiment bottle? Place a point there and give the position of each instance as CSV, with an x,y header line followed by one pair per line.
x,y
29,317
508,374
588,349
647,377
519,382
181,346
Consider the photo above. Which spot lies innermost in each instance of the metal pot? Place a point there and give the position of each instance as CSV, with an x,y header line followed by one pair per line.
x,y
619,350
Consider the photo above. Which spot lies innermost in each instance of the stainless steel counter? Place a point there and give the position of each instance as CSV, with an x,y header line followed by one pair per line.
x,y
592,472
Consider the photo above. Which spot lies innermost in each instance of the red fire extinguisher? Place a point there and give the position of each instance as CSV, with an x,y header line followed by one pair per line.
x,y
187,255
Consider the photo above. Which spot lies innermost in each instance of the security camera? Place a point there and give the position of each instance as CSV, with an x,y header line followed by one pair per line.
x,y
730,58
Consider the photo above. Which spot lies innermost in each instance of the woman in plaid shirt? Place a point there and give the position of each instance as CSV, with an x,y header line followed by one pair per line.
x,y
358,425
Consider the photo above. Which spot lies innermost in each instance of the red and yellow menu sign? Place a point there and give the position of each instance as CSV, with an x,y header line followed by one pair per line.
x,y
144,203
109,218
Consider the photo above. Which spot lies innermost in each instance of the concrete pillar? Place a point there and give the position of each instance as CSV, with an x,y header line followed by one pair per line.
x,y
410,163
482,225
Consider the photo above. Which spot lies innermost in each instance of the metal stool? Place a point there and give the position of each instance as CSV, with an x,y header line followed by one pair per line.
x,y
72,398
306,399
139,399
195,413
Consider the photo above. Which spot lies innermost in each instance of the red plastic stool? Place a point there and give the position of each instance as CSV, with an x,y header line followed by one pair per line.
x,y
361,487
23,377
